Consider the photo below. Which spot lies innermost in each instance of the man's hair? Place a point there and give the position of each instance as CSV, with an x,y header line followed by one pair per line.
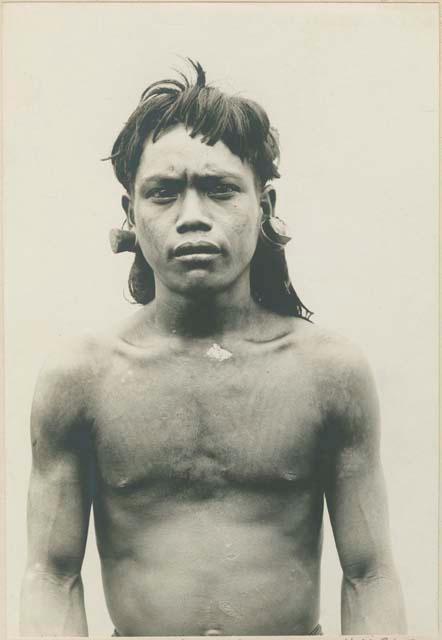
x,y
244,127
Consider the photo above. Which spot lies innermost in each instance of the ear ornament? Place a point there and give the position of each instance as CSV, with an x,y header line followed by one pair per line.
x,y
275,233
122,240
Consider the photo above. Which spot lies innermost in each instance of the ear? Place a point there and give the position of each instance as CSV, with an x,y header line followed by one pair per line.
x,y
128,210
268,202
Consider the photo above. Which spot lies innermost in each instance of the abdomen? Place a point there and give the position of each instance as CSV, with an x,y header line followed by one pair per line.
x,y
246,563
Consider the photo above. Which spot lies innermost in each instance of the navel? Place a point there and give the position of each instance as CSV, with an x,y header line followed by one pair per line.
x,y
212,632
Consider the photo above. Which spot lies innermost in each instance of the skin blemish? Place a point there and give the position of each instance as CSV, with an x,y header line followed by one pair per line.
x,y
218,353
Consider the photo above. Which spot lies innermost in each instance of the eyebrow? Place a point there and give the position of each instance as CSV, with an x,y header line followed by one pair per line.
x,y
220,174
195,178
161,179
165,177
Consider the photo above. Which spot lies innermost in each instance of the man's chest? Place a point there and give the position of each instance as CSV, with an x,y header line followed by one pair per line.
x,y
199,421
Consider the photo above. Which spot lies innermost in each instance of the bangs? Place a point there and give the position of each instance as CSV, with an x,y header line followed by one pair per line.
x,y
217,117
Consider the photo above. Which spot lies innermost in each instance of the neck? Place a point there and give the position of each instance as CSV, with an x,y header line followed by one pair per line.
x,y
206,313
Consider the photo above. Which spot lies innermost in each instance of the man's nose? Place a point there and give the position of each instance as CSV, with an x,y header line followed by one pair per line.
x,y
193,215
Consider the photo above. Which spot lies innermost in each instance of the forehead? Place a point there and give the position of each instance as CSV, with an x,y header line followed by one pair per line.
x,y
176,153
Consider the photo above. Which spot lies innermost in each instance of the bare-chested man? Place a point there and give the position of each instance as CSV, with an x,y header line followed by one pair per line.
x,y
207,430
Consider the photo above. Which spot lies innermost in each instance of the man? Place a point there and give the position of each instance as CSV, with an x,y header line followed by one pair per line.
x,y
208,428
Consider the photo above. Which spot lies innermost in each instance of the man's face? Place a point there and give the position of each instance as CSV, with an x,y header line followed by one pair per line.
x,y
196,211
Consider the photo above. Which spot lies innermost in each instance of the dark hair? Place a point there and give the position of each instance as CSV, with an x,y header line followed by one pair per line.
x,y
243,126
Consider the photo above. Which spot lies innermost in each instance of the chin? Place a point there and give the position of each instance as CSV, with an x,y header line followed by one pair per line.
x,y
199,282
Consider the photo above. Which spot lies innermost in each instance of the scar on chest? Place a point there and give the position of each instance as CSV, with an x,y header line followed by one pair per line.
x,y
218,353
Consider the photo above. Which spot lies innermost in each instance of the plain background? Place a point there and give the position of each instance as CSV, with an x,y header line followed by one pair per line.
x,y
353,92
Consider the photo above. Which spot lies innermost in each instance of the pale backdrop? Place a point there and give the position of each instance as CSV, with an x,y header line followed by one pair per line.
x,y
353,92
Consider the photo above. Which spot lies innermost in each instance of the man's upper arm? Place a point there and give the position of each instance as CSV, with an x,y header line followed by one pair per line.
x,y
60,489
354,483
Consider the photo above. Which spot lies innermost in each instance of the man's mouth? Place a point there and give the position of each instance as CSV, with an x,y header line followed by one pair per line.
x,y
200,249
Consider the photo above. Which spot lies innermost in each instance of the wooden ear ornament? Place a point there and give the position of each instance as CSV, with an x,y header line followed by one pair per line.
x,y
122,240
274,232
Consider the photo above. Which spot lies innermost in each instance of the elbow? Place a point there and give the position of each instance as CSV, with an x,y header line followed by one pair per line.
x,y
365,572
51,573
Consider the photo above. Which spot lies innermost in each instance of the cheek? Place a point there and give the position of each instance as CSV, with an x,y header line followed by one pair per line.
x,y
150,234
245,228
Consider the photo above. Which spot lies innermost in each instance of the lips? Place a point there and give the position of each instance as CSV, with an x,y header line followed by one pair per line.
x,y
196,248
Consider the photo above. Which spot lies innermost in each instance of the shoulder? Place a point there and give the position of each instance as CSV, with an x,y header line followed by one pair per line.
x,y
73,360
66,381
338,359
341,372
77,363
334,357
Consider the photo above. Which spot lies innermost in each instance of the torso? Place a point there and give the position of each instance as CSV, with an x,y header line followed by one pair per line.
x,y
209,497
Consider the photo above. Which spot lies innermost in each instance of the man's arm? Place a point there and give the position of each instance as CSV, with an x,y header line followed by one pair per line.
x,y
59,501
371,599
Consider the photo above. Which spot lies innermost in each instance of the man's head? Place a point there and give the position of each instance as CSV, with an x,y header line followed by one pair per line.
x,y
196,165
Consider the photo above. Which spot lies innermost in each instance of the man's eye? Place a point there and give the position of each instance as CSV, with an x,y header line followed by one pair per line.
x,y
163,193
222,191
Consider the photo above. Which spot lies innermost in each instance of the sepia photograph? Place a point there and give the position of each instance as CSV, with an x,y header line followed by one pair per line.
x,y
221,250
